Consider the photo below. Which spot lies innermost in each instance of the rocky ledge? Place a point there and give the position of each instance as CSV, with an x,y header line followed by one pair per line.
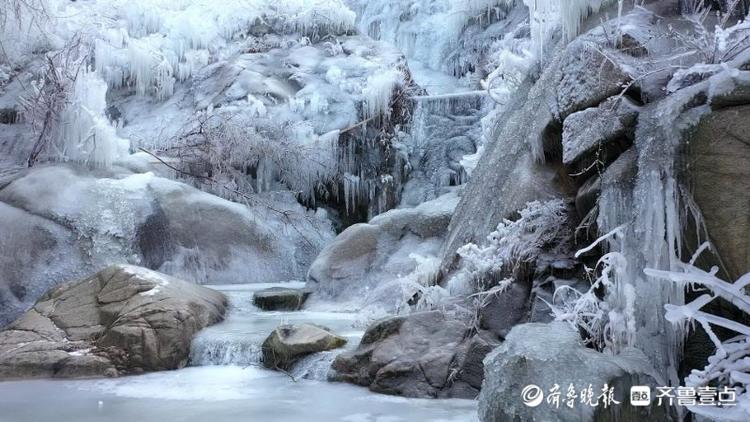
x,y
122,320
280,299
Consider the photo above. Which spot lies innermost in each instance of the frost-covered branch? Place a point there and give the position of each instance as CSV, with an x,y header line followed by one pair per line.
x,y
542,225
730,365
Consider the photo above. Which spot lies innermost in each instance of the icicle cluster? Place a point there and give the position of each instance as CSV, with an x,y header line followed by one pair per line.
x,y
151,45
379,90
428,31
87,135
547,16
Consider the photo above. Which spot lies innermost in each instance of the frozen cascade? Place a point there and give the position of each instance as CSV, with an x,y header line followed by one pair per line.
x,y
653,214
450,46
445,129
431,32
237,340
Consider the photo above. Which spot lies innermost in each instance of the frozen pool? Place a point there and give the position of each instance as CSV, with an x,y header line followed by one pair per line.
x,y
225,384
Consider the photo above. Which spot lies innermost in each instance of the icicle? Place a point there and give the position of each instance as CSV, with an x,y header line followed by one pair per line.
x,y
87,135
379,91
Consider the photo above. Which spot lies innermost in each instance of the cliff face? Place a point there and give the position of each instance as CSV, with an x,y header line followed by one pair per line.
x,y
646,156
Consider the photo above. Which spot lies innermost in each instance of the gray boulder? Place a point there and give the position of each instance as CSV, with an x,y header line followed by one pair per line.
x,y
365,257
289,343
586,76
280,299
552,354
418,355
122,320
501,312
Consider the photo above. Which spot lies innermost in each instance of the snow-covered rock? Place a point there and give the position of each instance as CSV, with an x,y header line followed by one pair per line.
x,y
122,320
366,263
62,222
549,355
594,137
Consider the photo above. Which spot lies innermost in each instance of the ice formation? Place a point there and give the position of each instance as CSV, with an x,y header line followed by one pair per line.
x,y
547,16
86,134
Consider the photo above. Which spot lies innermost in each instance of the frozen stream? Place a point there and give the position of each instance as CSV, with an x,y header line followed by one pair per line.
x,y
225,384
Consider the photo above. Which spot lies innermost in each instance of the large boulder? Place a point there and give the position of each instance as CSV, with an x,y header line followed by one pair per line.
x,y
418,355
289,343
122,320
368,256
65,222
280,299
546,355
719,171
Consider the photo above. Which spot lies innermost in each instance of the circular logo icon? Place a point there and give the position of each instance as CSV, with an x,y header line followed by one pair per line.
x,y
532,395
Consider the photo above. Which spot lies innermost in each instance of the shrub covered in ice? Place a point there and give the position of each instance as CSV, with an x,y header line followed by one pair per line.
x,y
66,108
541,230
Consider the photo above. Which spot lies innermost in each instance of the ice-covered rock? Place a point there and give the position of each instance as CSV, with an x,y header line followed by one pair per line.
x,y
443,131
77,222
123,320
441,35
523,161
549,355
366,261
419,355
289,343
262,95
594,137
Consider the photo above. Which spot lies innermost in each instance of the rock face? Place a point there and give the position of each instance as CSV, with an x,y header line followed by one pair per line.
x,y
594,137
419,355
280,299
719,153
123,320
502,312
78,221
524,161
289,343
549,354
